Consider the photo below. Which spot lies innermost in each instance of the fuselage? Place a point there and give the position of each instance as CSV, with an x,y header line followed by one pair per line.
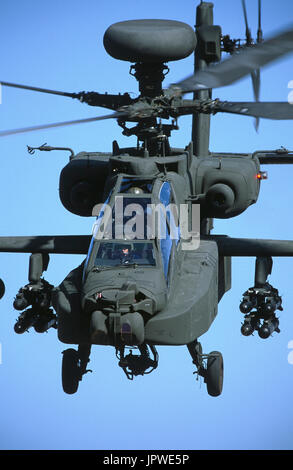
x,y
144,260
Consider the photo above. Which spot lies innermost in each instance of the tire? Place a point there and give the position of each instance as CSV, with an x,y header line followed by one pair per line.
x,y
70,371
215,374
2,288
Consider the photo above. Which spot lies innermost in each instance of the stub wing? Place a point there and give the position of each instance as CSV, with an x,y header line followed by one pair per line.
x,y
229,246
59,244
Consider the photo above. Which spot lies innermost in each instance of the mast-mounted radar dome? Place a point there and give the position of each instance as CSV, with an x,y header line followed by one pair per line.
x,y
152,41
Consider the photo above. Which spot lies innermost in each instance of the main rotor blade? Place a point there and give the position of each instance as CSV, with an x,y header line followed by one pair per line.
x,y
266,110
255,77
42,90
239,65
92,98
256,74
60,124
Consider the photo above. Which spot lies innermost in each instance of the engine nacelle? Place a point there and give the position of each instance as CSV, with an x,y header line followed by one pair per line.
x,y
219,198
82,182
230,184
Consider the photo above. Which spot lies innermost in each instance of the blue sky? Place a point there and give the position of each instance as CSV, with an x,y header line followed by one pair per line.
x,y
59,45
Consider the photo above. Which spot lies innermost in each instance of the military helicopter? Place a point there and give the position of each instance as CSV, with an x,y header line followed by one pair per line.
x,y
136,291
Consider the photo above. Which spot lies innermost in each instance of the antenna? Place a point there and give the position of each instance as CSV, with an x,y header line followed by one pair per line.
x,y
249,40
259,31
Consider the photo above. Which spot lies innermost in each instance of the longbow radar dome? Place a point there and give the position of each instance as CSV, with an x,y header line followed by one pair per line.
x,y
149,40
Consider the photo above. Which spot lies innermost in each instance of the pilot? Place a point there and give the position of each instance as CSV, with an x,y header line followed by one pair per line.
x,y
125,256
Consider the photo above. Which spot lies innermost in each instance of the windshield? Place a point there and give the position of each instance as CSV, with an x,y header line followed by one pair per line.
x,y
116,254
130,217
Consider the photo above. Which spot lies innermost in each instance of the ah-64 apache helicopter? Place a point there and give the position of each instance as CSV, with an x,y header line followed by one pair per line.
x,y
139,291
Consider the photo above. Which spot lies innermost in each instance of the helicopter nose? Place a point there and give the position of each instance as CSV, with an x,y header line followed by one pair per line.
x,y
117,329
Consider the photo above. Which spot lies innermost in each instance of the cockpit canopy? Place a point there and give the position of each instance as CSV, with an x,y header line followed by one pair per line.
x,y
113,253
135,226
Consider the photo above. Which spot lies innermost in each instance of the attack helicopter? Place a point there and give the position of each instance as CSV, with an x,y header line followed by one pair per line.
x,y
136,290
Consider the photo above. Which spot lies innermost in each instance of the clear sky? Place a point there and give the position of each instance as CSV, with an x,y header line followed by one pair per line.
x,y
59,45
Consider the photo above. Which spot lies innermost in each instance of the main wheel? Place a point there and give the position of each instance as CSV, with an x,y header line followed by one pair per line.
x,y
2,288
215,374
70,371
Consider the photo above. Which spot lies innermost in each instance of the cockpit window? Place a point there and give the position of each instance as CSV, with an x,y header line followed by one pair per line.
x,y
115,254
165,193
96,226
165,242
130,217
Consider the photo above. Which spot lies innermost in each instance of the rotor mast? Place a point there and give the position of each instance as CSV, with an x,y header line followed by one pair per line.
x,y
200,121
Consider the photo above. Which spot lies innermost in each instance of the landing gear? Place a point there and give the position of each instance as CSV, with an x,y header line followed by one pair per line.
x,y
70,371
74,366
209,366
2,288
215,374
